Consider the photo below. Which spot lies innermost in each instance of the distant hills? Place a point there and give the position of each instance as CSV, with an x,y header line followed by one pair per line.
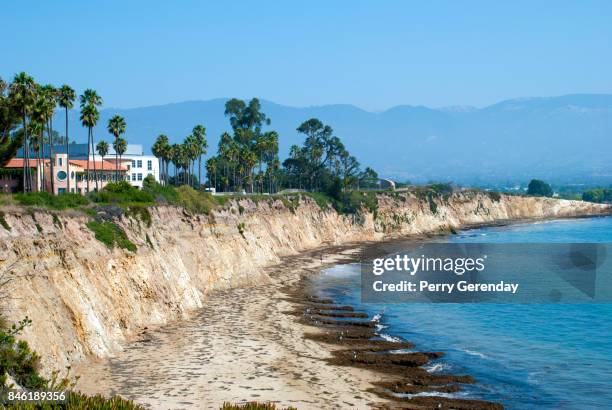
x,y
560,139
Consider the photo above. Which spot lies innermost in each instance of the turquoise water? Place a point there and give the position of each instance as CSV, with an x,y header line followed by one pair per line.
x,y
549,356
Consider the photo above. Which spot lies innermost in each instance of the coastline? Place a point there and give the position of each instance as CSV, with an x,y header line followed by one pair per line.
x,y
263,343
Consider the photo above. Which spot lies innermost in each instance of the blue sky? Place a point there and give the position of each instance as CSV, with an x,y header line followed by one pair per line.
x,y
374,54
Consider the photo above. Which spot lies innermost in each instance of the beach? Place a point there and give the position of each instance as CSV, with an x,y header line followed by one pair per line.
x,y
242,346
258,344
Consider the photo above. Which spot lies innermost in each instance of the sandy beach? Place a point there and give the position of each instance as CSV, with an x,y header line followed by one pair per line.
x,y
240,347
259,344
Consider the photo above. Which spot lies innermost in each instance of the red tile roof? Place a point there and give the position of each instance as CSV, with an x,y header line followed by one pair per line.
x,y
82,163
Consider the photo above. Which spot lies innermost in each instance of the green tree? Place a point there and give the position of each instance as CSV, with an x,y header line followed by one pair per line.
x,y
10,141
116,127
22,94
90,101
159,149
539,188
47,96
102,148
200,146
65,99
120,146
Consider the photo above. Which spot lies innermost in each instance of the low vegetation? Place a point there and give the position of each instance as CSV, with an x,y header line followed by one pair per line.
x,y
46,200
111,235
19,362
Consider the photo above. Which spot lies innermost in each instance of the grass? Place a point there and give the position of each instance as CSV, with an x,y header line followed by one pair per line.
x,y
46,200
139,212
111,235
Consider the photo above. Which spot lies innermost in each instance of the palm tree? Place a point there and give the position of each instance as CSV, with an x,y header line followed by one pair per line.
x,y
102,148
22,93
211,169
120,146
116,126
65,99
48,95
159,149
90,101
200,145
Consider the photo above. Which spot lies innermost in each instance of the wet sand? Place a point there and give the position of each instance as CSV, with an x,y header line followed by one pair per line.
x,y
275,343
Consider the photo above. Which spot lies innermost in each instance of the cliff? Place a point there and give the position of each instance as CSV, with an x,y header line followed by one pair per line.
x,y
88,300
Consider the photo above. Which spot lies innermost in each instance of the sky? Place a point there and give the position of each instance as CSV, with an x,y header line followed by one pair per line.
x,y
373,54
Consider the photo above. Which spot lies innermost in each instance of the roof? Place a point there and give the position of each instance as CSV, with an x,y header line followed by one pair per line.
x,y
105,165
82,163
18,163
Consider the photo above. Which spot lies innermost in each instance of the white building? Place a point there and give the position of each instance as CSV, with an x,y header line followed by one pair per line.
x,y
139,166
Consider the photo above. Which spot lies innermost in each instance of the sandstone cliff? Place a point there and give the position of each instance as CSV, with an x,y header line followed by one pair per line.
x,y
88,300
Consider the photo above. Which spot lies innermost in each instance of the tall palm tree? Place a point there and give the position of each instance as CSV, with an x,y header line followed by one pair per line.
x,y
22,93
120,146
65,99
102,148
116,126
159,149
48,95
200,145
90,101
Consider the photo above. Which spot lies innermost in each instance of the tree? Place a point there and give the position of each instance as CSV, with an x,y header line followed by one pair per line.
x,y
159,149
90,101
539,188
22,93
200,145
116,126
102,148
48,100
10,141
65,99
120,146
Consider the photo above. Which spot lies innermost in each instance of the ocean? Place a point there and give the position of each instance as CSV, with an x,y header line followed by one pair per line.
x,y
546,356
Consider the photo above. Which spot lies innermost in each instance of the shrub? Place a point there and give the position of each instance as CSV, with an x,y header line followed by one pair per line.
x,y
433,207
495,196
195,201
111,234
22,364
121,193
597,195
46,200
162,193
539,188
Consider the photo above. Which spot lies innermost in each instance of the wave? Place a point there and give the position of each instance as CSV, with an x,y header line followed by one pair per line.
x,y
437,367
474,353
389,338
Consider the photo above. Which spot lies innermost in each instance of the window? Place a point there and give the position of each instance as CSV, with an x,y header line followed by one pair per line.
x,y
133,177
61,175
149,165
60,161
140,177
139,163
133,163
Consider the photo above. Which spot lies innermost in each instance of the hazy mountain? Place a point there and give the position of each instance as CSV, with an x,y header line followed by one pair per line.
x,y
567,138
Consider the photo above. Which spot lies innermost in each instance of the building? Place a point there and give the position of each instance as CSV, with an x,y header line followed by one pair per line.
x,y
138,166
11,175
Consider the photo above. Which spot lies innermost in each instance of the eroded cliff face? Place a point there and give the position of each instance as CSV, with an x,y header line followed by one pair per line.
x,y
88,300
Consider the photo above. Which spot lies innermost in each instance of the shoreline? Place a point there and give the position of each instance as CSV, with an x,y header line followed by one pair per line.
x,y
250,344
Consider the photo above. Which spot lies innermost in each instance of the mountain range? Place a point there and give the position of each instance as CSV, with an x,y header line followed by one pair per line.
x,y
561,139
